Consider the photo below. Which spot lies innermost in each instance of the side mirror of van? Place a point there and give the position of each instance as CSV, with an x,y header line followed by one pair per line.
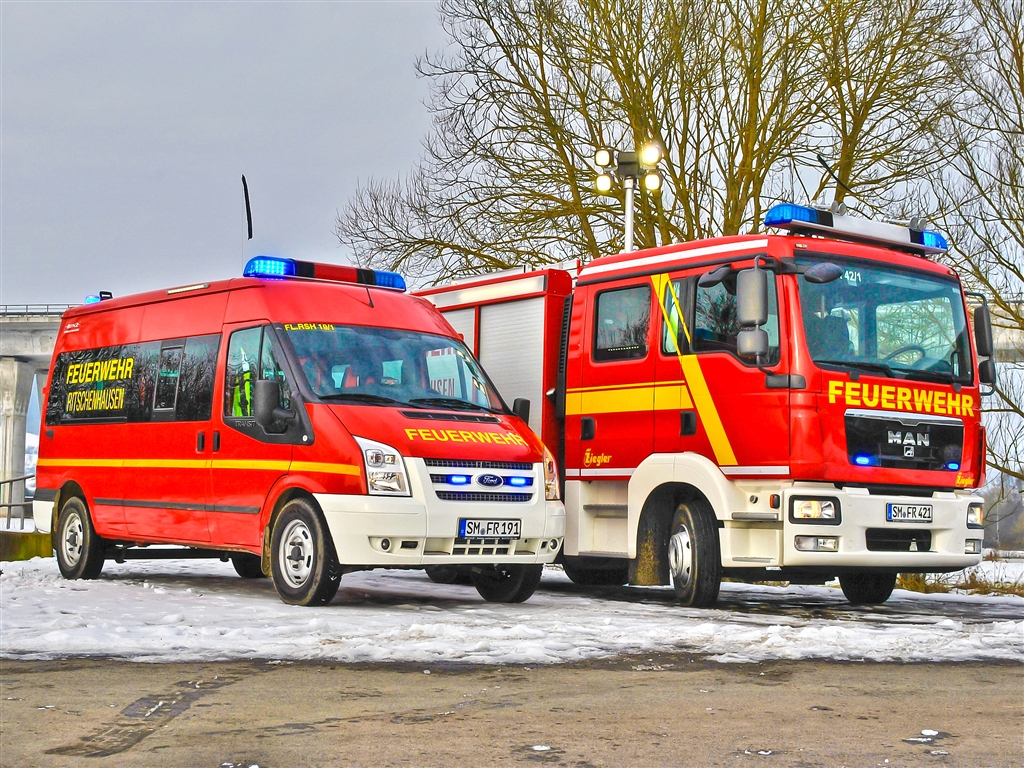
x,y
266,402
983,332
521,408
752,298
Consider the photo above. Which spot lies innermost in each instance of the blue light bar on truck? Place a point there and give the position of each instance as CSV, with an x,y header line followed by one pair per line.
x,y
277,266
802,219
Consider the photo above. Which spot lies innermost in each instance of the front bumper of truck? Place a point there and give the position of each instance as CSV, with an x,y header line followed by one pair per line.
x,y
422,529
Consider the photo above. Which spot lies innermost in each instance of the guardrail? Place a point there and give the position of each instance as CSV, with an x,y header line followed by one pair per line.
x,y
34,310
9,518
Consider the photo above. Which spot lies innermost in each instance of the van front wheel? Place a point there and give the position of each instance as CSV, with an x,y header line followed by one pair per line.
x,y
303,563
507,583
79,548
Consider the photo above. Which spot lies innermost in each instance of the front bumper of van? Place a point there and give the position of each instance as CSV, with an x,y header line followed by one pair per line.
x,y
422,529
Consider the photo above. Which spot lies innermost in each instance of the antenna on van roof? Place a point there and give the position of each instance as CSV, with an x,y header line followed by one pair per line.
x,y
248,210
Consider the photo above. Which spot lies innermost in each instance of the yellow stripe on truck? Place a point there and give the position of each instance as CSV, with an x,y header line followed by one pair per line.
x,y
651,397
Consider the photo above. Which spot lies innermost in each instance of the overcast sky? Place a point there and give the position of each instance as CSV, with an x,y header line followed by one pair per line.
x,y
126,127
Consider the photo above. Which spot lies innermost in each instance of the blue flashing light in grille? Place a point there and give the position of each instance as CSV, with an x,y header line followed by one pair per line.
x,y
389,279
786,213
863,461
519,482
269,266
952,465
458,479
934,240
92,299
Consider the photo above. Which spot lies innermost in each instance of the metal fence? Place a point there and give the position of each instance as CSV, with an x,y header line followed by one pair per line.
x,y
7,507
34,310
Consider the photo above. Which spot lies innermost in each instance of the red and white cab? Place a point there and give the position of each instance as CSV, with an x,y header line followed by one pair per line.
x,y
304,420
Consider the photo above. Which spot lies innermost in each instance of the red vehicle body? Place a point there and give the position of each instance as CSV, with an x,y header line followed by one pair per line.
x,y
684,459
153,434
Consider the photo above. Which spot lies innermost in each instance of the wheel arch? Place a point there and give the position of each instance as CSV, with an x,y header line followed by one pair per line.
x,y
68,490
284,496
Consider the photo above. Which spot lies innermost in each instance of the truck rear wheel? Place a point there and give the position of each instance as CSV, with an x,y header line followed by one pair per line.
x,y
248,566
79,548
303,563
596,574
867,588
694,560
507,583
449,574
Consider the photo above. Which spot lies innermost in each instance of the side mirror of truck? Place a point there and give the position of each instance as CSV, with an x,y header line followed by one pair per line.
x,y
752,342
983,332
266,402
752,298
987,372
521,408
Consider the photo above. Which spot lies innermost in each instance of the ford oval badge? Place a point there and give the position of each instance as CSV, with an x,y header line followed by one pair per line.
x,y
489,481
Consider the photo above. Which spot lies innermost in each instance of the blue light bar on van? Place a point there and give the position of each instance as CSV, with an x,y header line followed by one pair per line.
x,y
93,299
802,219
277,266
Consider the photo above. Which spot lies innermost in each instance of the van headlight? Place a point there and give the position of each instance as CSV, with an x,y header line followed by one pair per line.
x,y
975,516
550,477
385,469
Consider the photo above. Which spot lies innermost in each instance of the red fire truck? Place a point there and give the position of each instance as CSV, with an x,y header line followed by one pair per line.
x,y
797,406
305,420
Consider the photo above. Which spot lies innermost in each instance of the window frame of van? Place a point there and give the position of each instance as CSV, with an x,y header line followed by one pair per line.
x,y
597,359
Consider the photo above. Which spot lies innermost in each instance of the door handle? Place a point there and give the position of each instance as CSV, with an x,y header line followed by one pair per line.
x,y
588,428
200,442
216,441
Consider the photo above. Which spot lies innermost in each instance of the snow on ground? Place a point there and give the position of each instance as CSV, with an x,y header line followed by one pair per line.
x,y
201,611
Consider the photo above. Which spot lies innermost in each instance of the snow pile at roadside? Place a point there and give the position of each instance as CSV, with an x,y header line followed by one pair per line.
x,y
201,611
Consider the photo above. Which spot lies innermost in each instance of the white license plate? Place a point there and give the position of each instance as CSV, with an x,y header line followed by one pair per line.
x,y
909,513
490,529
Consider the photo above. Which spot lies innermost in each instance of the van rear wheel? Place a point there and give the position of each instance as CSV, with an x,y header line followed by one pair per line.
x,y
248,566
694,560
507,583
449,574
303,563
867,588
79,548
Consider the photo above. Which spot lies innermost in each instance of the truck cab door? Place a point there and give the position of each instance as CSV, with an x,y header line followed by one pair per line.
x,y
738,420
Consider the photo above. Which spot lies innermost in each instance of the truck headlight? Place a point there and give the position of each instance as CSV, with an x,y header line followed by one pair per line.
x,y
385,469
975,516
550,477
811,510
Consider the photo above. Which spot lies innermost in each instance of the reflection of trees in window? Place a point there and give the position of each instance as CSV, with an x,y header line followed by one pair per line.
x,y
927,323
195,382
716,314
623,320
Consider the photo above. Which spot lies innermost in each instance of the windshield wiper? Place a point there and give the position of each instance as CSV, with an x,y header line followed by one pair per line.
x,y
879,367
452,402
362,397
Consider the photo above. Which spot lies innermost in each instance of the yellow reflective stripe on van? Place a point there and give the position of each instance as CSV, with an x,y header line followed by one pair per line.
x,y
281,466
631,399
329,468
168,463
80,463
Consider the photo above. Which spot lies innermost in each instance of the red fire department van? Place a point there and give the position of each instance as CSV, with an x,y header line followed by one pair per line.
x,y
305,420
792,406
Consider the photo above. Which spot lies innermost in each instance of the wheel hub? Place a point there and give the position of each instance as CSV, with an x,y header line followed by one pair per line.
x,y
680,557
72,544
296,554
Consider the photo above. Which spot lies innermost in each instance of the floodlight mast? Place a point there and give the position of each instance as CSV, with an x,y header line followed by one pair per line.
x,y
629,167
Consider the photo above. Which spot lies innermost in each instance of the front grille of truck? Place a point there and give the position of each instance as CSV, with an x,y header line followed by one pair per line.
x,y
903,440
522,466
504,498
898,540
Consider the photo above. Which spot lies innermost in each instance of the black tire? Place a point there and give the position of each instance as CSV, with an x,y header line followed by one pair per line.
x,y
695,562
507,583
596,574
867,588
449,574
302,559
79,548
248,566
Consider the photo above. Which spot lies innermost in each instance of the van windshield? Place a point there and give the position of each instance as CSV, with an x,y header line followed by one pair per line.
x,y
383,366
894,322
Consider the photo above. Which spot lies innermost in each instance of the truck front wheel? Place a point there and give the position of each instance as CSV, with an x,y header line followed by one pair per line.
x,y
303,563
507,583
867,588
694,561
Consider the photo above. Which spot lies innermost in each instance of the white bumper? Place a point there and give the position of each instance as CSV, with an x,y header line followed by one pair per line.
x,y
422,529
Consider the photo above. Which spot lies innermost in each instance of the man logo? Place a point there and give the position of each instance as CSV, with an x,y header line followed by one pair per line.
x,y
489,481
909,438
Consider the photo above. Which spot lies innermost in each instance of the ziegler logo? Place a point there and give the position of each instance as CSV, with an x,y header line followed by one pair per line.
x,y
907,438
595,459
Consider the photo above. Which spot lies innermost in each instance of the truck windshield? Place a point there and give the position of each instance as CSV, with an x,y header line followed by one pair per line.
x,y
383,366
887,321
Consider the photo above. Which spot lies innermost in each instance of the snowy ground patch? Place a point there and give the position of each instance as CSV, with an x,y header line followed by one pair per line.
x,y
201,611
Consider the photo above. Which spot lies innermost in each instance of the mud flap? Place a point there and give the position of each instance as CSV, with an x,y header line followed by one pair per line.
x,y
650,568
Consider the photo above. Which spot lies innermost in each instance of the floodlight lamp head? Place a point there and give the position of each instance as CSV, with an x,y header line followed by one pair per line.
x,y
604,157
603,183
650,155
652,180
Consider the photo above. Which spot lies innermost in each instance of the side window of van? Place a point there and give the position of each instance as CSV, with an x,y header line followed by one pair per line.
x,y
714,324
195,380
252,354
621,323
167,372
272,368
